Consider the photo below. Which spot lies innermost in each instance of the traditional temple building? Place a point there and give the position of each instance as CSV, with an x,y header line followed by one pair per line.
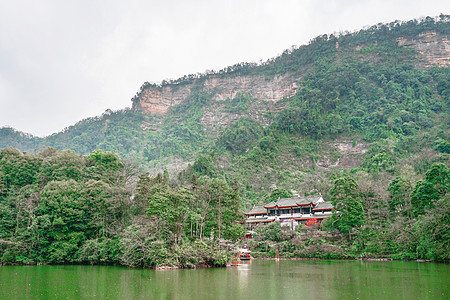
x,y
290,211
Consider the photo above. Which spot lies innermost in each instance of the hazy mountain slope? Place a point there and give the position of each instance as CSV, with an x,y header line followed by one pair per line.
x,y
388,82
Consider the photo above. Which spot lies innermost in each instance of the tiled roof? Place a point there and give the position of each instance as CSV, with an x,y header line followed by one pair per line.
x,y
257,210
315,199
286,202
270,205
324,206
295,201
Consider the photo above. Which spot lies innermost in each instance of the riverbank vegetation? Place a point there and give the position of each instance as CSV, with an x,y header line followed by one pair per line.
x,y
410,223
59,207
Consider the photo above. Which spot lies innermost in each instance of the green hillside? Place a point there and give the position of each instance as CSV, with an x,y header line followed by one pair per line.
x,y
361,87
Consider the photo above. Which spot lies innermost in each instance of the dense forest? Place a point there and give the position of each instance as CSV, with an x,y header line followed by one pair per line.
x,y
368,128
62,207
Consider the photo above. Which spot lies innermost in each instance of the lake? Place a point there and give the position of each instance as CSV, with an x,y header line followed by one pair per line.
x,y
259,279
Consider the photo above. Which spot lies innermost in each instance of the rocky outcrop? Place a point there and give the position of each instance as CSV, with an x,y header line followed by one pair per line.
x,y
157,99
347,154
433,49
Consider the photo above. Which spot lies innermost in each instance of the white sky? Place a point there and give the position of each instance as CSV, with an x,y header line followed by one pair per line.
x,y
65,60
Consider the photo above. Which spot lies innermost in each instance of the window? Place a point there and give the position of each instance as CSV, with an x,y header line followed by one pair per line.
x,y
285,211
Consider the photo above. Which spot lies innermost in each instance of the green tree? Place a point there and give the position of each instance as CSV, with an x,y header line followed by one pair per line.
x,y
434,232
18,169
346,199
105,166
279,193
400,191
224,210
145,243
62,217
435,186
61,165
106,209
204,165
240,136
270,232
169,204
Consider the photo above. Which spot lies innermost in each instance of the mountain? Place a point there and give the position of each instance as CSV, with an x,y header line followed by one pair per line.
x,y
371,99
361,119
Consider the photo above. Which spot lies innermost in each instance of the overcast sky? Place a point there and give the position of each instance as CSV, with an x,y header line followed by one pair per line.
x,y
63,60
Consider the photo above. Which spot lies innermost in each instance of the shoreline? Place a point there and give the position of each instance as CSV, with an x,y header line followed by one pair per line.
x,y
353,259
204,266
319,258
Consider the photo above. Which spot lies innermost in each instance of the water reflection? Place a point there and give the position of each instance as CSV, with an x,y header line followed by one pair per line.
x,y
243,274
249,280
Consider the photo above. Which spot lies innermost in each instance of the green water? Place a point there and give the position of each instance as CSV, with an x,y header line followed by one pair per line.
x,y
258,280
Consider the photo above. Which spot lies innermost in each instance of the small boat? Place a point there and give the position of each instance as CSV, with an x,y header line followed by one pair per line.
x,y
245,254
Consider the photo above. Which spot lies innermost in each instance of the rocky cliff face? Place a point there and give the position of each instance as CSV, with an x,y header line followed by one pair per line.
x,y
433,49
157,100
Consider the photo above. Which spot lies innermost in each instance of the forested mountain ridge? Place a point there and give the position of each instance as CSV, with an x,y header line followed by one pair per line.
x,y
318,106
264,84
258,91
